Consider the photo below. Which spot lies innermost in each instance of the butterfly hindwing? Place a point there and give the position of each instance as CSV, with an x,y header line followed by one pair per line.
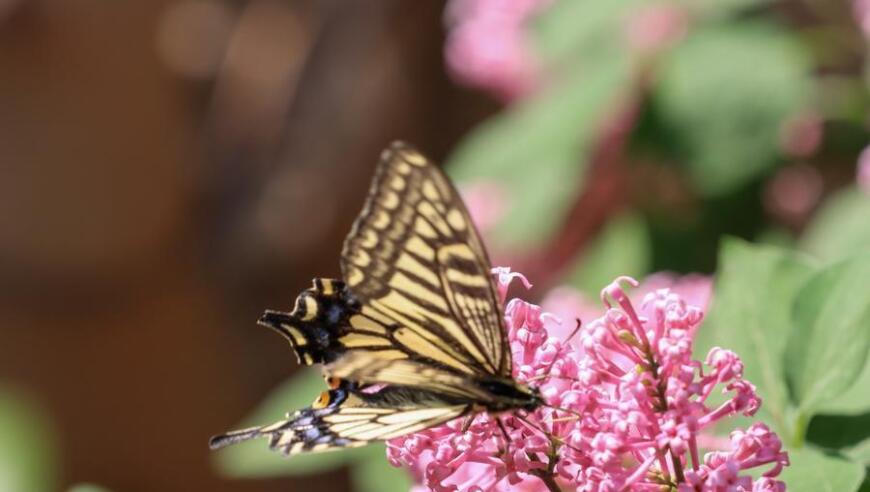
x,y
327,322
415,262
347,416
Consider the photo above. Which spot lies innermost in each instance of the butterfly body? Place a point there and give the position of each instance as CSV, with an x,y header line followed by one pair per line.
x,y
413,335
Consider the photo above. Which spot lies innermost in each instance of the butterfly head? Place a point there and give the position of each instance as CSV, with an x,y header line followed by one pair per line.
x,y
535,398
508,395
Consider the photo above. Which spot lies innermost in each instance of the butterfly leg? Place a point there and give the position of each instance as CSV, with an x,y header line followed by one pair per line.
x,y
504,432
467,424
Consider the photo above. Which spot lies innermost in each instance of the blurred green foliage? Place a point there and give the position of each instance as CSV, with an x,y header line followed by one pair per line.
x,y
29,456
87,487
28,461
622,248
840,227
829,339
537,151
751,315
813,470
723,94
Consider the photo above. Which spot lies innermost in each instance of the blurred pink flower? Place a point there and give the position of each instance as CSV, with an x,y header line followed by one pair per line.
x,y
863,175
487,203
487,45
567,303
861,11
793,193
801,134
624,410
696,289
652,28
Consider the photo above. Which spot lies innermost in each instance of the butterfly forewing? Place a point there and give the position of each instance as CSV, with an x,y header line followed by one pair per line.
x,y
416,263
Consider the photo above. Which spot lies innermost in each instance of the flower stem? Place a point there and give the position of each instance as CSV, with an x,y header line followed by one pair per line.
x,y
678,467
800,430
548,480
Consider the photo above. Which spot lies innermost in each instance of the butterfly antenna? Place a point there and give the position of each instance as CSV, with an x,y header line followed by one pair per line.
x,y
548,435
575,413
547,374
532,425
467,423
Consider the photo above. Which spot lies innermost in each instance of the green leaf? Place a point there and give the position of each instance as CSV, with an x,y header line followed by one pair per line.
x,y
376,474
27,454
254,459
859,452
538,151
845,434
827,349
724,93
750,315
840,228
623,248
569,33
812,471
851,402
722,8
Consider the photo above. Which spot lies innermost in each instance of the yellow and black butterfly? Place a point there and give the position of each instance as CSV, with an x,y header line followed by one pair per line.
x,y
413,336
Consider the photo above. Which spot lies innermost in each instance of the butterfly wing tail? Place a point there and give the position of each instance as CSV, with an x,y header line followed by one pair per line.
x,y
305,432
287,436
233,437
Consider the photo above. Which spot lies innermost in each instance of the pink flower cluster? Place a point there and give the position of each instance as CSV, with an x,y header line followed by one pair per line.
x,y
861,12
863,174
625,409
487,44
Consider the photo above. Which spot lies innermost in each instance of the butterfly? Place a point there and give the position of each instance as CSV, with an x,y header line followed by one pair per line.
x,y
413,335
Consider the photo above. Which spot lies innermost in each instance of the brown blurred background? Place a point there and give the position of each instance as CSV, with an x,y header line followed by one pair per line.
x,y
170,169
167,171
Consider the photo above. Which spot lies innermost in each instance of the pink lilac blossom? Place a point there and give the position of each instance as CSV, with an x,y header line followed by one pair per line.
x,y
625,409
655,27
487,202
793,193
801,134
863,174
861,11
487,45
